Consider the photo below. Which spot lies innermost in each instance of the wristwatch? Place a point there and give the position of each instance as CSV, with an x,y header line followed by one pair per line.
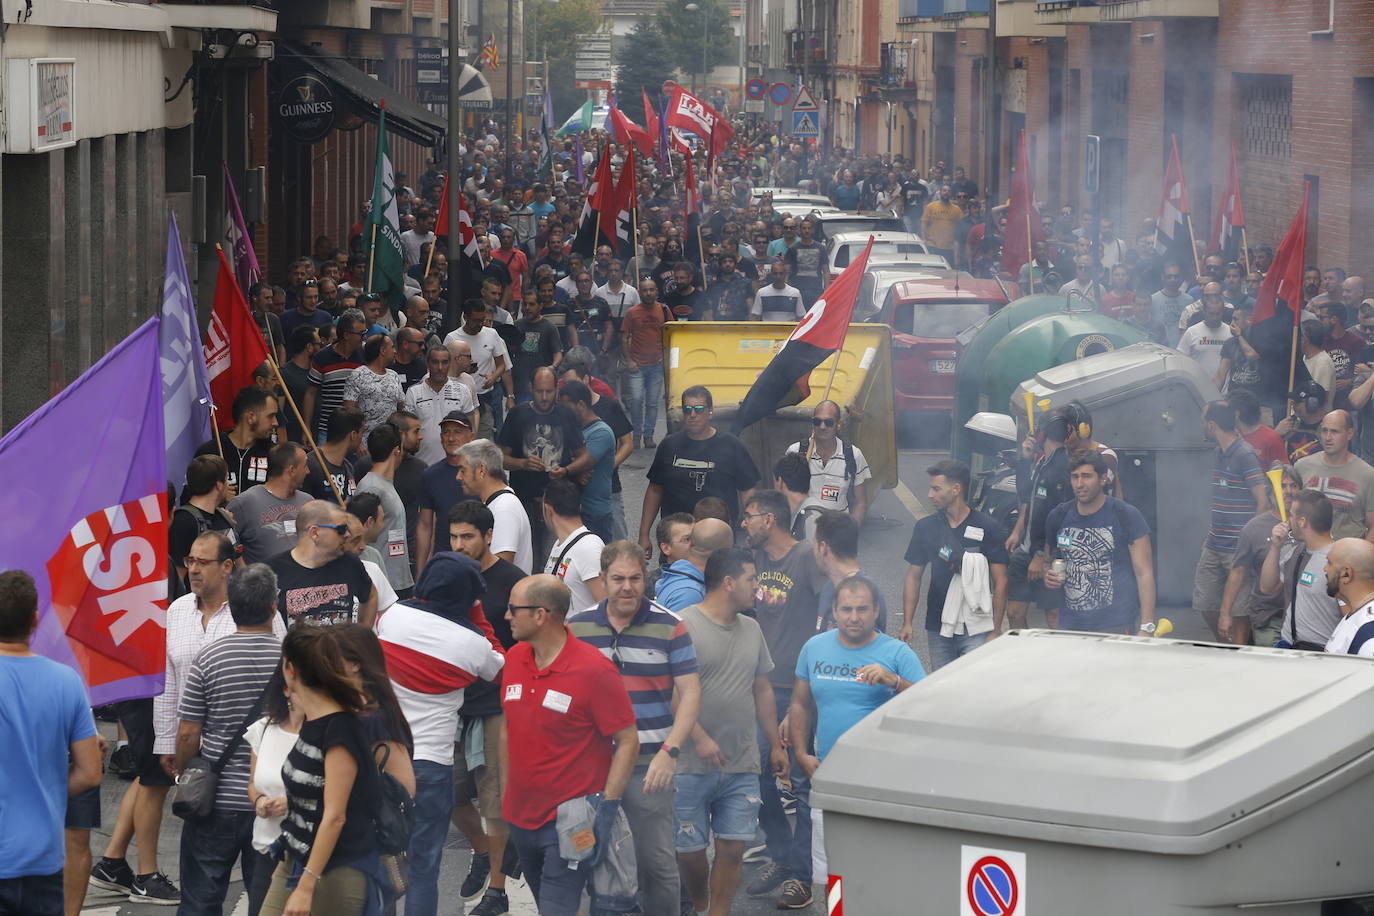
x,y
1147,628
671,751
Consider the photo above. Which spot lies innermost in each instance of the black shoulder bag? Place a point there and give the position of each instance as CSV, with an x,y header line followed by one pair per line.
x,y
195,795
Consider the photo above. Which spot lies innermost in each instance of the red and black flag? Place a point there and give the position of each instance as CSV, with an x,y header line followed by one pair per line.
x,y
470,265
593,209
786,380
1230,220
1171,228
623,207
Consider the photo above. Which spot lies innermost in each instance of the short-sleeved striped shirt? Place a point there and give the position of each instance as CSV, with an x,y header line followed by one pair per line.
x,y
652,649
1235,471
222,687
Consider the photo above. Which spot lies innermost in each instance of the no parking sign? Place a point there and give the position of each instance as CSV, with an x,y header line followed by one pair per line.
x,y
992,882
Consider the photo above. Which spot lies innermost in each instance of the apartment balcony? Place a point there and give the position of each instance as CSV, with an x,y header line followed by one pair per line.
x,y
1069,12
806,48
942,15
1018,19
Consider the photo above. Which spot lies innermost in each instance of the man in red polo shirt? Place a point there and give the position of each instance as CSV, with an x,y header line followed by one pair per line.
x,y
570,732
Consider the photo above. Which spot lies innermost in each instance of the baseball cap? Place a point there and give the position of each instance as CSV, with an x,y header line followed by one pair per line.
x,y
1308,389
457,416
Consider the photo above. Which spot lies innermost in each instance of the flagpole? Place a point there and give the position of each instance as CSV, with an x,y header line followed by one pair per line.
x,y
371,257
307,434
214,430
1293,357
1192,244
1245,252
1030,253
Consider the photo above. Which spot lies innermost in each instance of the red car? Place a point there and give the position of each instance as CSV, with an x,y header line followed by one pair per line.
x,y
926,315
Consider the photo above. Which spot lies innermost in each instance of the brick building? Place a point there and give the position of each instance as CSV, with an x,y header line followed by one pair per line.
x,y
1290,82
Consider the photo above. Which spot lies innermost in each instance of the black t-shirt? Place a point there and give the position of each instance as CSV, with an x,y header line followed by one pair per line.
x,y
327,595
1047,487
552,437
440,491
690,470
731,298
591,317
411,372
247,466
317,484
915,196
536,344
940,550
687,306
304,777
189,523
483,698
610,412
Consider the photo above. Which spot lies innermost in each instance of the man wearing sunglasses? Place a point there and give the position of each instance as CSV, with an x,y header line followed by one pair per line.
x,y
693,463
318,581
839,470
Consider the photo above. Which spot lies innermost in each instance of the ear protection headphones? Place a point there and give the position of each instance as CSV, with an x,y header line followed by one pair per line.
x,y
1072,416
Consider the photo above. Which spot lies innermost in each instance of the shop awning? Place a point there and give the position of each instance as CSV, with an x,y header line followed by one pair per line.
x,y
365,94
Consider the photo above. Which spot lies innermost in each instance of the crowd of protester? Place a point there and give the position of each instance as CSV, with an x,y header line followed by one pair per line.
x,y
409,591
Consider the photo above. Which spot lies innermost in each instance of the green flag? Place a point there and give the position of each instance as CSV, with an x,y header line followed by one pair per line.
x,y
386,260
578,121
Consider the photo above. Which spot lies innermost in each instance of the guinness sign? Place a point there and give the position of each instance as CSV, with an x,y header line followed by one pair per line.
x,y
305,107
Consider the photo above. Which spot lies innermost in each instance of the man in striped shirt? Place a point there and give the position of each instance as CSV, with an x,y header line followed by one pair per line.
x,y
330,369
222,697
651,648
1239,493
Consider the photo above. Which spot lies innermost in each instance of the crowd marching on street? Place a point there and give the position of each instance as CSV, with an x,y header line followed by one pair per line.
x,y
409,592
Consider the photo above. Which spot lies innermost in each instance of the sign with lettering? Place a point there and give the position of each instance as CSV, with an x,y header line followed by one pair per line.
x,y
305,107
53,87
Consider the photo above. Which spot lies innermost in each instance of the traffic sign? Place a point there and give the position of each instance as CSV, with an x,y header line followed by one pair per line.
x,y
779,93
1092,163
756,88
992,882
805,100
804,124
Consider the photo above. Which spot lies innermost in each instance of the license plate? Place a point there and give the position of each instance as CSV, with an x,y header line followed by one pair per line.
x,y
942,366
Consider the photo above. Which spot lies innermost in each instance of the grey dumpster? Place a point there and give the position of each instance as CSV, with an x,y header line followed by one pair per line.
x,y
1068,774
1146,401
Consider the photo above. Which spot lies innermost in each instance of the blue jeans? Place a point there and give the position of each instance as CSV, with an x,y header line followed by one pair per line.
x,y
945,649
646,391
618,530
789,844
209,849
557,888
31,895
600,525
726,804
433,806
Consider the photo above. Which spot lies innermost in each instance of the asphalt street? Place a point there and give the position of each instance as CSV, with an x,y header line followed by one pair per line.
x,y
882,545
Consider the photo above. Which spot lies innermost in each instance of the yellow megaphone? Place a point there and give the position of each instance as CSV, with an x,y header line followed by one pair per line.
x,y
1163,627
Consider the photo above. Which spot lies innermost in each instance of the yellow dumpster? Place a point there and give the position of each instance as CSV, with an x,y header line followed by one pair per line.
x,y
726,357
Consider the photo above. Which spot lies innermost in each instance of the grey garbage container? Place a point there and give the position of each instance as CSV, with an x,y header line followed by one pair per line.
x,y
1066,774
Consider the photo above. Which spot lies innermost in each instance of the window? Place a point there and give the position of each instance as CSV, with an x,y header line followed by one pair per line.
x,y
1268,105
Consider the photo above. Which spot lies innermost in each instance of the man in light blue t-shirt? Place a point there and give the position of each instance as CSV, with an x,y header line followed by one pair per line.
x,y
601,446
49,753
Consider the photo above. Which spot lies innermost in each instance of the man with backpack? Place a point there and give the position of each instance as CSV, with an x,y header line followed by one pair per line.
x,y
207,492
1107,575
839,470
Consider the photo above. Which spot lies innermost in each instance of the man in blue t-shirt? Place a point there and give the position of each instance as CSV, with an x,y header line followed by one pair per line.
x,y
49,752
596,487
841,676
1108,578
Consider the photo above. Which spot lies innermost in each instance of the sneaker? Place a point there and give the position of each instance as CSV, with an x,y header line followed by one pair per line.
x,y
768,880
122,762
155,889
755,854
112,875
795,895
649,442
476,880
494,903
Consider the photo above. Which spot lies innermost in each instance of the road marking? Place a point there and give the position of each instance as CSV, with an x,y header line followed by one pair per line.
x,y
909,500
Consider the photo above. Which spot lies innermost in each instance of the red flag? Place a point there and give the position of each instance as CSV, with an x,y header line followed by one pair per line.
x,y
441,218
786,380
234,346
1284,280
1230,217
595,210
651,121
623,206
1023,220
1171,226
628,133
691,199
692,114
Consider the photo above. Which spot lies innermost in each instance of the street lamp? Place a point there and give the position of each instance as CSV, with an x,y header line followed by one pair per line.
x,y
692,8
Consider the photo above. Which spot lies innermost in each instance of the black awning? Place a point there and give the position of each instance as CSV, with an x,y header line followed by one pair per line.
x,y
365,93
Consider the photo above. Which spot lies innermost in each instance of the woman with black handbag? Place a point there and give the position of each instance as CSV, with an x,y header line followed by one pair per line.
x,y
331,865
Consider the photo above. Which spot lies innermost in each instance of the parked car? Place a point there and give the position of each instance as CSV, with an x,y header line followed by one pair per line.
x,y
843,247
927,315
881,277
831,222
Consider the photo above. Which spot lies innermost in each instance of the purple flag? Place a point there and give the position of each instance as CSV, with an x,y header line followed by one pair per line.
x,y
236,239
94,521
185,384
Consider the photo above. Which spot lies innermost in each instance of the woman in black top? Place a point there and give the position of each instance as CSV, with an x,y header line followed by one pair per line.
x,y
382,721
331,786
